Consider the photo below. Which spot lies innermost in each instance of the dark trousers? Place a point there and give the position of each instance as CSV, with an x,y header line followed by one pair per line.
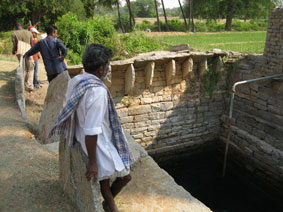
x,y
51,77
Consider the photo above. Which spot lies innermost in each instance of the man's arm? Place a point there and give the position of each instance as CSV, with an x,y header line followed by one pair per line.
x,y
63,49
92,170
33,50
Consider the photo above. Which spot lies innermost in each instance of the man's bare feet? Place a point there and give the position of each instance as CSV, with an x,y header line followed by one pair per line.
x,y
108,209
105,207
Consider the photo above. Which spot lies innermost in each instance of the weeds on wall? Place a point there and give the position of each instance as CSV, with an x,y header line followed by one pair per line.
x,y
126,101
211,78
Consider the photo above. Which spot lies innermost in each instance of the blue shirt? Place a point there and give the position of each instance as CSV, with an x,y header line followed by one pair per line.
x,y
50,48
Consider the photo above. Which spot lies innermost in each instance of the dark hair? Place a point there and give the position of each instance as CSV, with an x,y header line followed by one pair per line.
x,y
94,56
49,29
18,25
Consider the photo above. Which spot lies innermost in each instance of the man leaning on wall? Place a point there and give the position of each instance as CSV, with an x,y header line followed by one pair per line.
x,y
22,41
90,115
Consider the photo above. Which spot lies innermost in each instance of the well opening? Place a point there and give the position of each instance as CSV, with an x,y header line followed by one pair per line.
x,y
200,173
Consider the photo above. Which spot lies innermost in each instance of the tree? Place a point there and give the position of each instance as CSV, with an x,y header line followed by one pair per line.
x,y
144,8
92,6
157,15
229,9
240,8
131,15
277,3
165,16
183,15
119,15
29,10
191,15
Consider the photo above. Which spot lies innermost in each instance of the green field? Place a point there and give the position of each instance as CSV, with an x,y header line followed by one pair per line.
x,y
245,42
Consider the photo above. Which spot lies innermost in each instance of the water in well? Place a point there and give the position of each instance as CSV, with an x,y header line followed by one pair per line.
x,y
201,175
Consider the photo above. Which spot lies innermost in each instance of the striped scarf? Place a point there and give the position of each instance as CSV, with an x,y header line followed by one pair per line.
x,y
65,124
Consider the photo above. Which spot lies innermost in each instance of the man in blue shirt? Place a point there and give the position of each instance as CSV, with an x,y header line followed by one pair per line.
x,y
53,52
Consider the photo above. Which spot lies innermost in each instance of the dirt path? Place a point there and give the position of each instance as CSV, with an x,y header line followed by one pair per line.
x,y
28,171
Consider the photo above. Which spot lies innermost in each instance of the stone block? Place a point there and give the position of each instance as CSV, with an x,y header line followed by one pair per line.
x,y
170,72
137,136
127,119
139,130
154,127
146,101
156,107
53,103
122,112
165,106
202,67
128,126
138,118
72,163
130,80
151,133
162,193
149,73
140,124
260,106
157,115
219,64
180,48
187,68
20,89
138,110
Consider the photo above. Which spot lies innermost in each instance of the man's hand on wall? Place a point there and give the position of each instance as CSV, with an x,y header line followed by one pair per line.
x,y
92,171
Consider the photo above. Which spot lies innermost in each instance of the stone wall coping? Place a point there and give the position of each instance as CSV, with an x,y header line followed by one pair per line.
x,y
158,57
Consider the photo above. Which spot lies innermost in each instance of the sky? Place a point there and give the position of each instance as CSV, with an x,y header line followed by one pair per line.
x,y
167,3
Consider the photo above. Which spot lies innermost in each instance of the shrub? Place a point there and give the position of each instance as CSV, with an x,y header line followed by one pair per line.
x,y
200,27
176,25
145,25
125,22
77,34
138,42
6,44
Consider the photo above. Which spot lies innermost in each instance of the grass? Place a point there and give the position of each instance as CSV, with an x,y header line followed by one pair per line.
x,y
245,42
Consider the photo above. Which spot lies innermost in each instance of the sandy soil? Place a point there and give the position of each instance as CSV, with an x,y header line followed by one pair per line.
x,y
28,171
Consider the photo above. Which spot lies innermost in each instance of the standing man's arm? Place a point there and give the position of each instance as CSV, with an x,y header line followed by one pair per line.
x,y
63,49
92,170
33,50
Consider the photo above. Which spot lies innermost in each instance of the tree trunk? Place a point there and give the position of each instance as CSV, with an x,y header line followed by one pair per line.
x,y
36,16
192,15
183,15
132,18
228,25
157,16
119,15
165,16
130,15
229,16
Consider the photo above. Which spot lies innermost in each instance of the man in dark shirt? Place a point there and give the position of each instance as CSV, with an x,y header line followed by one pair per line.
x,y
53,52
